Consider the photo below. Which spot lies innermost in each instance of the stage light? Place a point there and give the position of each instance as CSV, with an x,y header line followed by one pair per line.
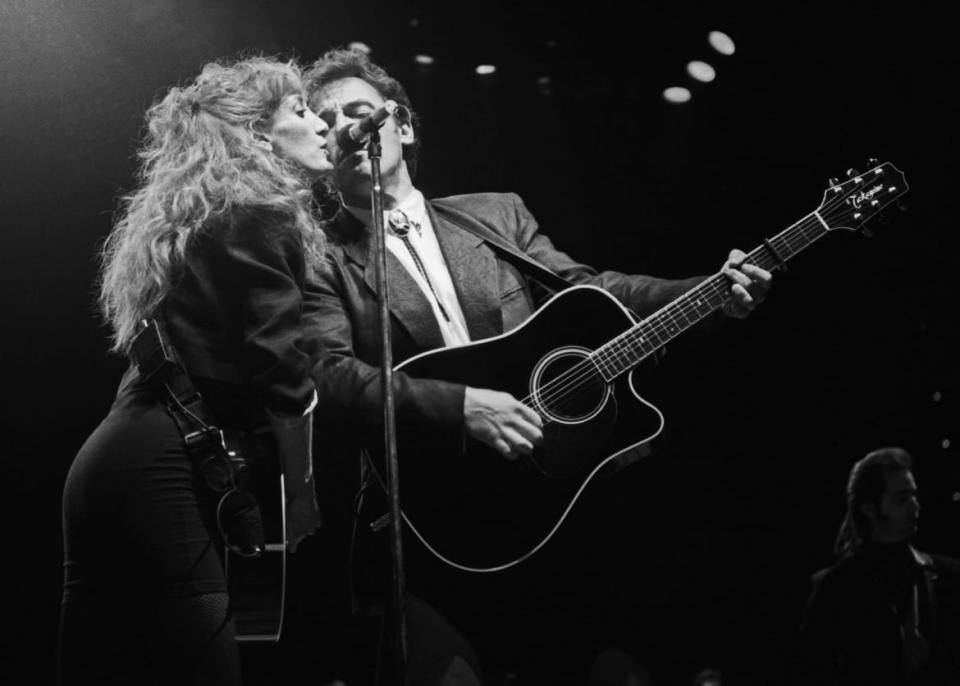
x,y
676,94
485,69
360,47
945,444
701,71
423,59
545,85
721,42
937,396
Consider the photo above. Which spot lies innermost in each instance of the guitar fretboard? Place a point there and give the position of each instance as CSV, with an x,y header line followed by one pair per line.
x,y
631,347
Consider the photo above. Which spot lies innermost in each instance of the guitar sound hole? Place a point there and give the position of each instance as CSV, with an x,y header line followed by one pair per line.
x,y
566,386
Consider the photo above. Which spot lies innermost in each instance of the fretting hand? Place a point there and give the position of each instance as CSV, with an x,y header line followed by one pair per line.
x,y
749,285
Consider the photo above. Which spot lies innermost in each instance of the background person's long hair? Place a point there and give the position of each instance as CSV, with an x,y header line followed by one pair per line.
x,y
200,158
867,484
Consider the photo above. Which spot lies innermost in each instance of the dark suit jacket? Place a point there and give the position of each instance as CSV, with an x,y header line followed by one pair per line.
x,y
234,315
850,632
494,295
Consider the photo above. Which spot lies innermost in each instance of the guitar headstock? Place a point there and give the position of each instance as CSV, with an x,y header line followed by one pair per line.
x,y
851,203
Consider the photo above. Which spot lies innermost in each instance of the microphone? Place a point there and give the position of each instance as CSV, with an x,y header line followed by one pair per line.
x,y
354,136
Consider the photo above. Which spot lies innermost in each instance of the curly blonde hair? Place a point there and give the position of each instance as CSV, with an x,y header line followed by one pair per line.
x,y
200,158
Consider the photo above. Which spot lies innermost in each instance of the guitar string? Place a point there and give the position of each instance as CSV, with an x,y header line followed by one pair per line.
x,y
672,313
691,302
670,316
560,387
588,374
677,315
667,320
593,369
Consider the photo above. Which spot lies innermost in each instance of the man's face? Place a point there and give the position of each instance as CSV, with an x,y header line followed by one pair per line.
x,y
894,519
340,104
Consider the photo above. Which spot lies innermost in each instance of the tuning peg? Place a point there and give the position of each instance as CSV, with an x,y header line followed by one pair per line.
x,y
873,162
833,181
851,172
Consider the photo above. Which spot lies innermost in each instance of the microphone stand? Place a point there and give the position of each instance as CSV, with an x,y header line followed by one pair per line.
x,y
390,430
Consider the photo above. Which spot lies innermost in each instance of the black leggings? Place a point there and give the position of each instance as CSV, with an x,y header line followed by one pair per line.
x,y
145,598
116,639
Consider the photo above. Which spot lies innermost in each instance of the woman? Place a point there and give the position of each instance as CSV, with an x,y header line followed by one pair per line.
x,y
215,243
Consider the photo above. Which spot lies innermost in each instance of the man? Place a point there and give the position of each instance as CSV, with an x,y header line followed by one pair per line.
x,y
880,615
447,286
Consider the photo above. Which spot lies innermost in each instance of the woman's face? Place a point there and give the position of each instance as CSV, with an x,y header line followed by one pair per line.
x,y
299,135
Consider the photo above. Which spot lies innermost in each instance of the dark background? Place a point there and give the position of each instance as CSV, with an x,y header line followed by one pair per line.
x,y
708,545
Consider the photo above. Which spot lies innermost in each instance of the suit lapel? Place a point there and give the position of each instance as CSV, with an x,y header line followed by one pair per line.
x,y
408,305
473,268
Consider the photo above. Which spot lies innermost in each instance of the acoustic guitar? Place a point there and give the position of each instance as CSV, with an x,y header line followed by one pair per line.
x,y
574,362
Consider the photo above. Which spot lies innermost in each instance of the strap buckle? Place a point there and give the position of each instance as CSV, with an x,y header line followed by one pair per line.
x,y
208,448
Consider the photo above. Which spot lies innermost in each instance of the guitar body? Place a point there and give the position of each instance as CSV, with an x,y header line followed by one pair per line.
x,y
477,510
257,585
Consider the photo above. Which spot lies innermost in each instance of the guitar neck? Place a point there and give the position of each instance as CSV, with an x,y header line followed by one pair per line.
x,y
627,350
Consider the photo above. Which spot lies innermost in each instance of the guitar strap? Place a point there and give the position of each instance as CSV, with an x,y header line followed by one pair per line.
x,y
510,253
159,366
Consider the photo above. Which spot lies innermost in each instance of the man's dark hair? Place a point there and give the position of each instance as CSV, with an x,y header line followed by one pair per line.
x,y
341,63
867,484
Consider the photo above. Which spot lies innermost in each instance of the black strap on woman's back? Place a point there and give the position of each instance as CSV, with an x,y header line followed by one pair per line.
x,y
159,366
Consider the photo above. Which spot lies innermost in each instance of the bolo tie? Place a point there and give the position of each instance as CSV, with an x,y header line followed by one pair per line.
x,y
401,224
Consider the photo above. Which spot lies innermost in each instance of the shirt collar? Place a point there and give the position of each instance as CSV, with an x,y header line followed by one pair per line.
x,y
413,205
